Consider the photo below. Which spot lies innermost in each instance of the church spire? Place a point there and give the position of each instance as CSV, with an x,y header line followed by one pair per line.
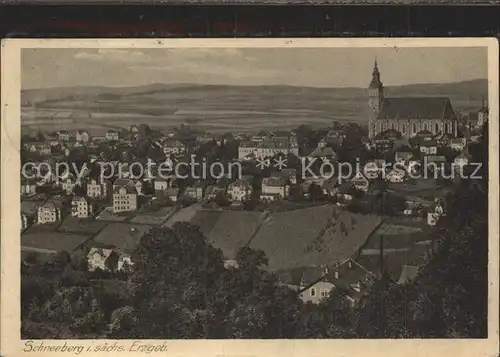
x,y
375,83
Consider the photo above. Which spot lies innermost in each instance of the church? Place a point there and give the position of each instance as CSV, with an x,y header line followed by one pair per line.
x,y
408,116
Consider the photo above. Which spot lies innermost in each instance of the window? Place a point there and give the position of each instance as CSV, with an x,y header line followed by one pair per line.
x,y
403,128
436,128
414,128
325,293
313,292
425,126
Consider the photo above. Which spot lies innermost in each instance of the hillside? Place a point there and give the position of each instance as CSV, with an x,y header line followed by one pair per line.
x,y
219,107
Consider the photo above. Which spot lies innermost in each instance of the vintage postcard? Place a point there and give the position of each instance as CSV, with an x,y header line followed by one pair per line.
x,y
250,197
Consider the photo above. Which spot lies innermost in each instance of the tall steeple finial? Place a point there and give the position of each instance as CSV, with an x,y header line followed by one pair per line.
x,y
375,82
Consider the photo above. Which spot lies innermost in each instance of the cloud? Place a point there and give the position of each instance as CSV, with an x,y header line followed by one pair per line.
x,y
114,55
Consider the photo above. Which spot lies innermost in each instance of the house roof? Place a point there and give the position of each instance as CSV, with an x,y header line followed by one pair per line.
x,y
240,183
416,108
274,181
122,236
51,242
323,152
457,141
312,236
105,253
429,143
404,155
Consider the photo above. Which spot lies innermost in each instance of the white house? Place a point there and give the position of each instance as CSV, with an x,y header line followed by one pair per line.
x,y
107,260
239,190
96,189
81,207
82,136
458,144
112,135
395,176
275,186
49,212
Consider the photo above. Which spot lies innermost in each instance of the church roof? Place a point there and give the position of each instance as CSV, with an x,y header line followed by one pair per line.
x,y
416,108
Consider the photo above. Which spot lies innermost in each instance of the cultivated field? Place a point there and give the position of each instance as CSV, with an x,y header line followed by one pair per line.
x,y
219,108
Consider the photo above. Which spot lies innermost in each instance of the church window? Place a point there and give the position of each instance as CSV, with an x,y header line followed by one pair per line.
x,y
425,126
403,128
392,126
436,128
414,128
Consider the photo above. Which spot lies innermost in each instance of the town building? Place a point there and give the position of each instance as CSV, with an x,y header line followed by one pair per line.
x,y
98,189
212,191
124,196
408,115
273,187
395,176
360,182
458,144
63,135
81,207
239,190
49,212
269,146
195,192
107,260
82,136
112,135
173,147
28,187
428,147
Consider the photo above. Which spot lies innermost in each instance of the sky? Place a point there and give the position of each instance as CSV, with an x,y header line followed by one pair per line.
x,y
315,67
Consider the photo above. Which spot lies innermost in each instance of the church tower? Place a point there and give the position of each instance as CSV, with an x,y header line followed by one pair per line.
x,y
375,98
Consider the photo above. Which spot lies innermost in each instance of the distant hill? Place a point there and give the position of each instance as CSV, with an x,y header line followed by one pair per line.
x,y
468,89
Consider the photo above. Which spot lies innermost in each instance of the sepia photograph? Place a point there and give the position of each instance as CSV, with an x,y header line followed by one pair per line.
x,y
249,191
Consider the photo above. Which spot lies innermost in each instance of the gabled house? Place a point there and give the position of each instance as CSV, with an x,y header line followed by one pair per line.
x,y
212,191
96,189
81,207
112,135
428,147
371,170
82,136
324,153
124,196
273,187
360,182
107,260
395,176
68,184
28,187
173,147
195,192
63,135
458,144
239,190
49,212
